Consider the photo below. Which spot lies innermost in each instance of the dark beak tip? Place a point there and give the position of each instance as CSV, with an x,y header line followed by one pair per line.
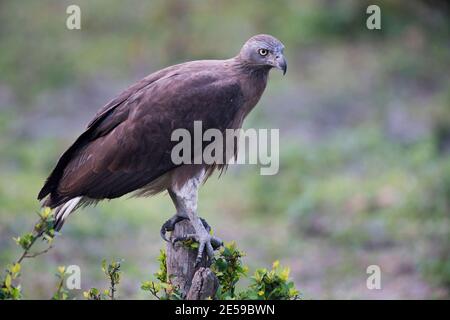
x,y
283,66
280,63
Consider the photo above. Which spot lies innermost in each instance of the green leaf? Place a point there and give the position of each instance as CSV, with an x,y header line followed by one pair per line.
x,y
8,280
61,269
15,268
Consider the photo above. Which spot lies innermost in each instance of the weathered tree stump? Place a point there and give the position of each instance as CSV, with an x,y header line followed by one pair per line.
x,y
193,283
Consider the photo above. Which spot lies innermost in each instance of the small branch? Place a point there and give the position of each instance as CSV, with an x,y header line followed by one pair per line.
x,y
43,227
112,271
154,292
32,255
112,290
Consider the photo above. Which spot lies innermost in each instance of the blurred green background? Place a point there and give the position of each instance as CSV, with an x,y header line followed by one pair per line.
x,y
364,119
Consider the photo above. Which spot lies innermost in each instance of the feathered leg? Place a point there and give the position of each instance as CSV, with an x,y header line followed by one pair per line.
x,y
185,199
180,215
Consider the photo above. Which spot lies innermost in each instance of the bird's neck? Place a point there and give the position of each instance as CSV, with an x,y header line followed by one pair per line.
x,y
255,80
253,71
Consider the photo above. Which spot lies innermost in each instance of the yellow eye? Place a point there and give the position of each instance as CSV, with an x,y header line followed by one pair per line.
x,y
263,52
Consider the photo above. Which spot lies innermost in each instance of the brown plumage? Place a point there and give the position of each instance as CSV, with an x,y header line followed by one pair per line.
x,y
127,146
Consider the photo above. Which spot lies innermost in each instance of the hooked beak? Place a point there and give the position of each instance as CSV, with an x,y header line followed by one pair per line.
x,y
280,63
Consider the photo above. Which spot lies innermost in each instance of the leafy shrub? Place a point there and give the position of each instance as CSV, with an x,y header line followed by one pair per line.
x,y
271,285
227,266
43,229
162,289
113,274
9,291
61,292
229,269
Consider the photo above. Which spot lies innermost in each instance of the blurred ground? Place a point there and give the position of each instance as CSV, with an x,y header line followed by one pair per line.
x,y
364,119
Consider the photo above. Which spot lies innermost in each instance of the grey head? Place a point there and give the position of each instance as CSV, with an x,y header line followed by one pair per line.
x,y
264,50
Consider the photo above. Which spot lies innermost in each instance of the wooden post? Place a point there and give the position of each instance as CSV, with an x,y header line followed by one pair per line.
x,y
194,283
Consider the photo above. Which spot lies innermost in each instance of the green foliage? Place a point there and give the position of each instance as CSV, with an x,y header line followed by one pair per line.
x,y
190,244
227,266
162,289
229,269
112,271
161,275
25,241
9,291
264,284
43,229
95,294
271,285
113,274
61,292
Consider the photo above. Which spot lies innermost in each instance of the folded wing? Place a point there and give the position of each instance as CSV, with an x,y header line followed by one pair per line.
x,y
128,143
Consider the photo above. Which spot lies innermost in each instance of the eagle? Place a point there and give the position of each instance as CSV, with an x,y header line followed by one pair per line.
x,y
126,147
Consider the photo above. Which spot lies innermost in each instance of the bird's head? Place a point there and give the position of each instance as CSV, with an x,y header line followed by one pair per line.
x,y
264,50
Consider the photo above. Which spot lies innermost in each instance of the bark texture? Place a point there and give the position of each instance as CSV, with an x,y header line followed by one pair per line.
x,y
194,283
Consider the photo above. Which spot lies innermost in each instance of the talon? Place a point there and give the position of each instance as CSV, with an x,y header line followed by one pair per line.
x,y
206,242
201,248
197,262
205,224
164,228
169,225
209,250
216,243
210,243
